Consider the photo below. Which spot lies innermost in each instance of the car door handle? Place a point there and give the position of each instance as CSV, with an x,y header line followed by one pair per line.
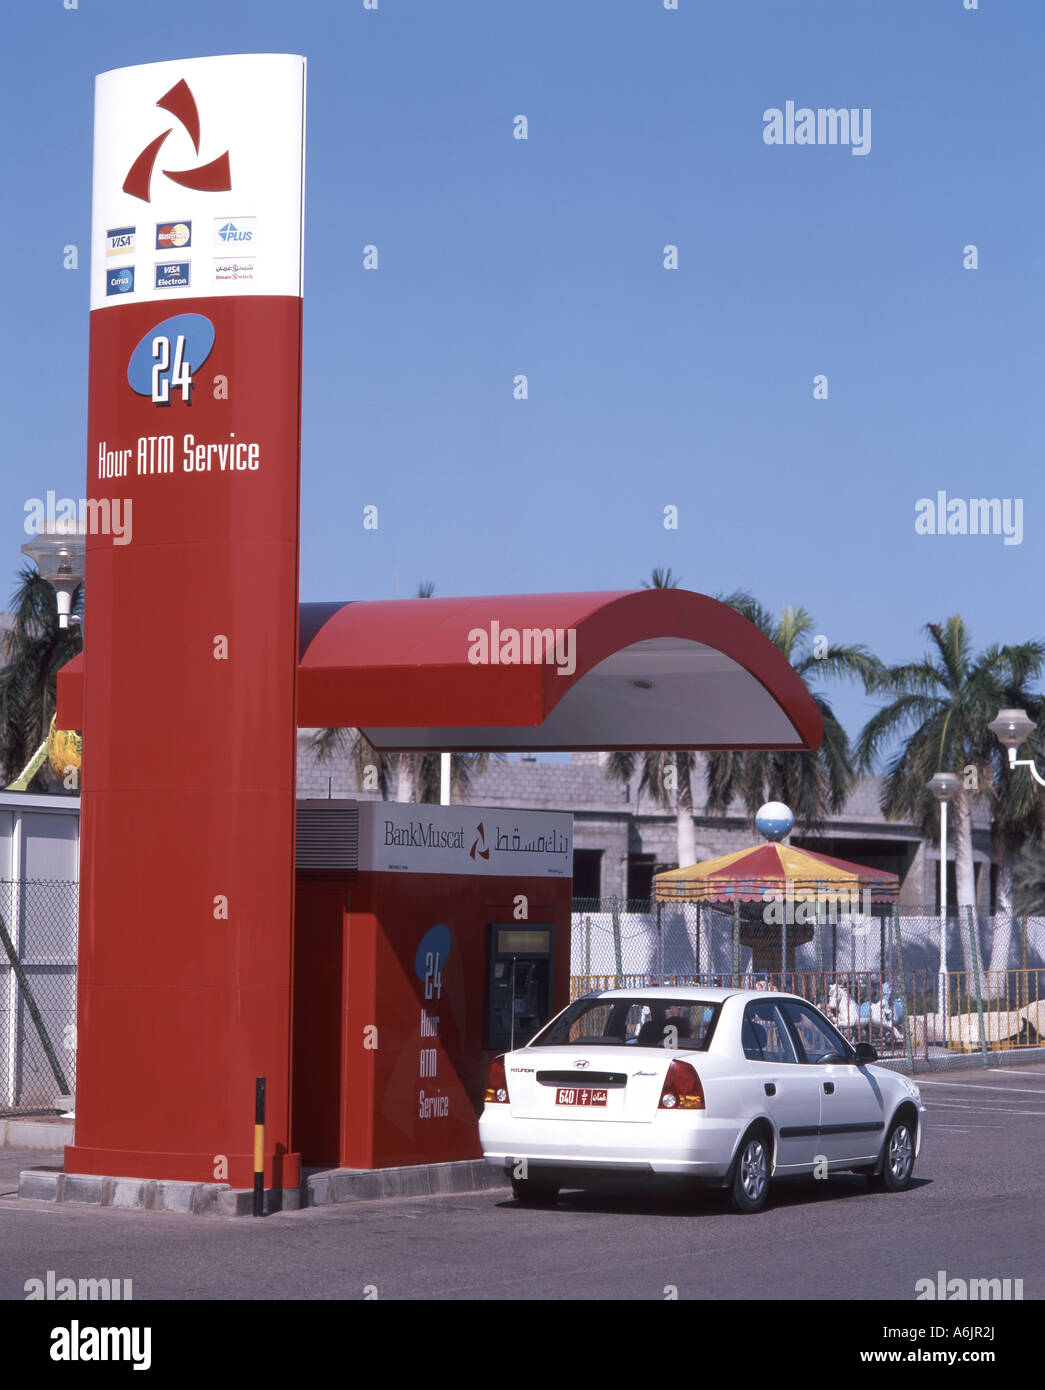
x,y
770,1088
829,1088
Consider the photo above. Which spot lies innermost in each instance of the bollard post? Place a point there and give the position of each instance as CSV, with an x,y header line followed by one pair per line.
x,y
259,1146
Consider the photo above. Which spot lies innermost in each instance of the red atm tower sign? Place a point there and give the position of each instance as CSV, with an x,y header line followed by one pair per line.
x,y
190,641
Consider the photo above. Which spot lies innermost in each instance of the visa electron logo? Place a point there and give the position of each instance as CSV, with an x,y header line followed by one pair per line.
x,y
165,359
240,231
214,177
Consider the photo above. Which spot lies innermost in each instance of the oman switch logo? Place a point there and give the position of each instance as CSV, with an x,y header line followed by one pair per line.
x,y
214,177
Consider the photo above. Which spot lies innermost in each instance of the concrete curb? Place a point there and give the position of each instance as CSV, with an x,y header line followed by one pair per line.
x,y
338,1185
143,1194
322,1188
35,1133
965,1061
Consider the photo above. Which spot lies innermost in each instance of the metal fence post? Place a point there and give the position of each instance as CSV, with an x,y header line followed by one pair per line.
x,y
736,937
976,983
903,988
31,1006
615,914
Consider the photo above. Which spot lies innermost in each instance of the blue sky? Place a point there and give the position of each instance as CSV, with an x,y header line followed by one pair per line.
x,y
647,387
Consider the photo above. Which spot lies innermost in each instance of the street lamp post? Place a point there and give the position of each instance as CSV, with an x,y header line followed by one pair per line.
x,y
1012,727
58,553
945,786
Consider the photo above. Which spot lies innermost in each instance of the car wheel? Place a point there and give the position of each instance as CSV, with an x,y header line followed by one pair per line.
x,y
749,1189
897,1157
534,1192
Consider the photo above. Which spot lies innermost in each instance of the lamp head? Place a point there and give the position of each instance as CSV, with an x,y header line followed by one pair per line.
x,y
1011,728
945,786
58,552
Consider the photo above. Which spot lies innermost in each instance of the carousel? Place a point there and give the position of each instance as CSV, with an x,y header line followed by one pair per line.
x,y
781,896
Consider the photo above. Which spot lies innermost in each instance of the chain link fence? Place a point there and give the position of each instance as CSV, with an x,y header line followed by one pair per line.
x,y
879,978
38,928
617,936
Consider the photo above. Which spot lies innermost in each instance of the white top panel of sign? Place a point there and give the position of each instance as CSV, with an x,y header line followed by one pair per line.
x,y
422,839
198,179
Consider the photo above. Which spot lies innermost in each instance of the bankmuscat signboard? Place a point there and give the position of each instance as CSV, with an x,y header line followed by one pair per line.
x,y
191,628
472,840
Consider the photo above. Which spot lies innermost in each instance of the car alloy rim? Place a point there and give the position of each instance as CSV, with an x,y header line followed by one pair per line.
x,y
753,1170
900,1153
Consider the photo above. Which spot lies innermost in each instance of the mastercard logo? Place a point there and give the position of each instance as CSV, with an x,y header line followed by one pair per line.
x,y
171,234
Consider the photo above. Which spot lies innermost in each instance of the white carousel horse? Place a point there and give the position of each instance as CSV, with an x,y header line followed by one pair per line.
x,y
847,1013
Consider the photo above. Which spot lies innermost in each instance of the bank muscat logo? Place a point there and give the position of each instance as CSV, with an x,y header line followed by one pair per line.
x,y
214,177
480,839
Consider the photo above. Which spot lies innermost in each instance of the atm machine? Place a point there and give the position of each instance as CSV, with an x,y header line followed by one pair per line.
x,y
518,984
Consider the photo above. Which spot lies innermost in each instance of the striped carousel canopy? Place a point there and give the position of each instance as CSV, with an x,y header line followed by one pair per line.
x,y
747,875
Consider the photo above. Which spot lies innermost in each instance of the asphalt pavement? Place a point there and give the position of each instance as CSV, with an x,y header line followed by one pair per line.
x,y
974,1211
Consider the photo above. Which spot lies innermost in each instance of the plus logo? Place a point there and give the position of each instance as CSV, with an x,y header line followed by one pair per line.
x,y
214,177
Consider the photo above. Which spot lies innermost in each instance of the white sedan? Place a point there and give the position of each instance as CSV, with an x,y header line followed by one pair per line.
x,y
727,1086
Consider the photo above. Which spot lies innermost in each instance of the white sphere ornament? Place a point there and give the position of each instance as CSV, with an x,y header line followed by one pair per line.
x,y
774,820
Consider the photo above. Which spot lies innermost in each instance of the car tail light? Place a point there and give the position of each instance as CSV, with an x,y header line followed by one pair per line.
x,y
682,1089
496,1083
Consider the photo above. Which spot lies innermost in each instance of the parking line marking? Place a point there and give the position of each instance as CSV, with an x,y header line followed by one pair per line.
x,y
994,1110
977,1086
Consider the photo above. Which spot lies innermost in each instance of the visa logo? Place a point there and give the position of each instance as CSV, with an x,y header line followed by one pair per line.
x,y
119,240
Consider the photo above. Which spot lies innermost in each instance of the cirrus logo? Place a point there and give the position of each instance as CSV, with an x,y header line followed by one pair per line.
x,y
120,281
166,357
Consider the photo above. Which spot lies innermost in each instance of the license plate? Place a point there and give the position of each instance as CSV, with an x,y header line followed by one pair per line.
x,y
580,1095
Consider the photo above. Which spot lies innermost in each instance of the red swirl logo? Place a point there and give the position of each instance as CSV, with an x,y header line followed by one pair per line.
x,y
214,177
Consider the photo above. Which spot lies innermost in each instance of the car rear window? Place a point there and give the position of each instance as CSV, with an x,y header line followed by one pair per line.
x,y
686,1024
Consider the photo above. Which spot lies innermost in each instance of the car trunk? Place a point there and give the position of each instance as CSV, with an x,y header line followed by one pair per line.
x,y
615,1083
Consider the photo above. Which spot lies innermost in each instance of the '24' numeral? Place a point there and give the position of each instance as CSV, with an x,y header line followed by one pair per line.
x,y
168,372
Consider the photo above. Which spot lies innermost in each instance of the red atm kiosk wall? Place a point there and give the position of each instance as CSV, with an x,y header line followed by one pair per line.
x,y
393,971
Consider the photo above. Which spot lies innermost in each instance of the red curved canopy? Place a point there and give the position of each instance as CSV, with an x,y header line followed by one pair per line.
x,y
651,669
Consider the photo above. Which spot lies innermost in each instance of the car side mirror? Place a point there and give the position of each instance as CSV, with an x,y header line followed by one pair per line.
x,y
865,1053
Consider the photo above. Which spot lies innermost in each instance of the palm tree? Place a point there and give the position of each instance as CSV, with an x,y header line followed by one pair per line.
x,y
668,777
1029,878
941,707
34,651
371,768
813,784
416,776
